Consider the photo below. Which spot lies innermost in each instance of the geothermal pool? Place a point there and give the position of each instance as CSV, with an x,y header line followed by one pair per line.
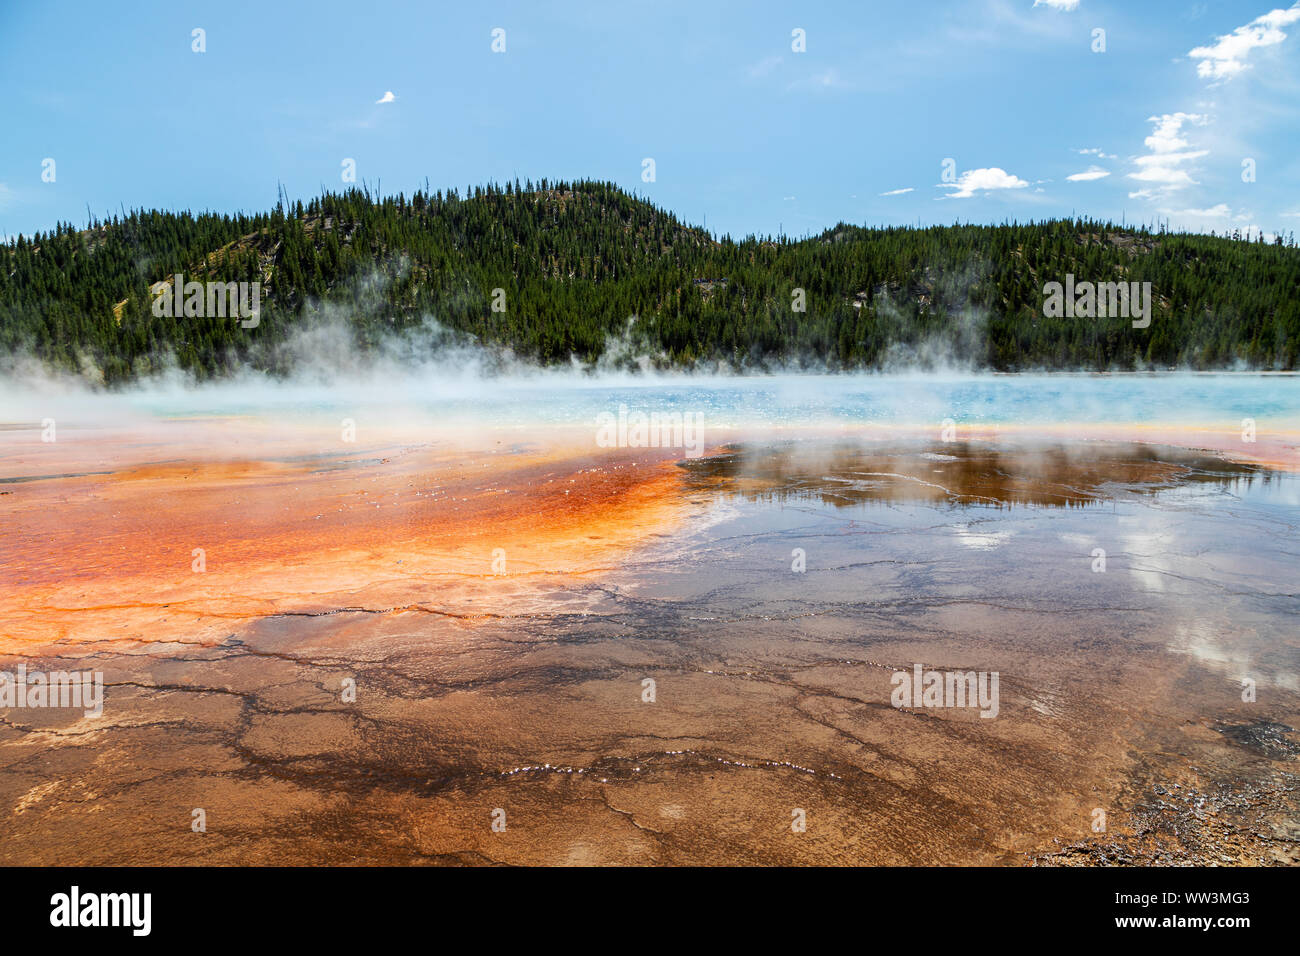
x,y
436,621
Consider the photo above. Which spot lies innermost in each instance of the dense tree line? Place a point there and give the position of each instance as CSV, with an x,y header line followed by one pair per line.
x,y
581,265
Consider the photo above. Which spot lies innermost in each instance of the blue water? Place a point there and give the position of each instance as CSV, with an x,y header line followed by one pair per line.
x,y
1273,401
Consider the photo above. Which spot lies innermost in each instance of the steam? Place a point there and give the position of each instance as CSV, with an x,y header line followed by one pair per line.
x,y
429,373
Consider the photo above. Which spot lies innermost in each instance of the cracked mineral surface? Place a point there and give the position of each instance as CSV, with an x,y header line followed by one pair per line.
x,y
375,652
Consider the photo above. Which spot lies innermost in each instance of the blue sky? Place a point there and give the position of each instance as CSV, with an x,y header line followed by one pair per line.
x,y
743,129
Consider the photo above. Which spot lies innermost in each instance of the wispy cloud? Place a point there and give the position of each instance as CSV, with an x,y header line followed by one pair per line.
x,y
1226,56
765,66
1096,152
1163,166
1058,4
982,180
827,79
896,192
1089,174
1167,137
1221,211
388,97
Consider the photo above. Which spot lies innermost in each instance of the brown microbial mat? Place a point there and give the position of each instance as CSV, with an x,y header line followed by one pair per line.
x,y
542,652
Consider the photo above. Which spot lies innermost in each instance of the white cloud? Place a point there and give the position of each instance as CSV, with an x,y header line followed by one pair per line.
x,y
1088,175
982,180
1163,166
1167,137
388,97
1162,159
1096,152
1221,211
1165,176
1226,56
897,192
1058,4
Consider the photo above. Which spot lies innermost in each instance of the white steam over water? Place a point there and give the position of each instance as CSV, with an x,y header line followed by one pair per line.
x,y
463,396
431,375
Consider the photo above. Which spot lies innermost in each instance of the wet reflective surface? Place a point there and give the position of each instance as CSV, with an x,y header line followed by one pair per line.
x,y
1045,474
769,591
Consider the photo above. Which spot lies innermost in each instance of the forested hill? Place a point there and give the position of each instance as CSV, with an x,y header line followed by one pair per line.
x,y
583,265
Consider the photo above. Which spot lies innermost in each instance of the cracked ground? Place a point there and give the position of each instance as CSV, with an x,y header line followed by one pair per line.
x,y
390,645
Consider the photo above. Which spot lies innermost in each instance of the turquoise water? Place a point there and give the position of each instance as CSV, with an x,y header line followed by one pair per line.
x,y
1273,401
